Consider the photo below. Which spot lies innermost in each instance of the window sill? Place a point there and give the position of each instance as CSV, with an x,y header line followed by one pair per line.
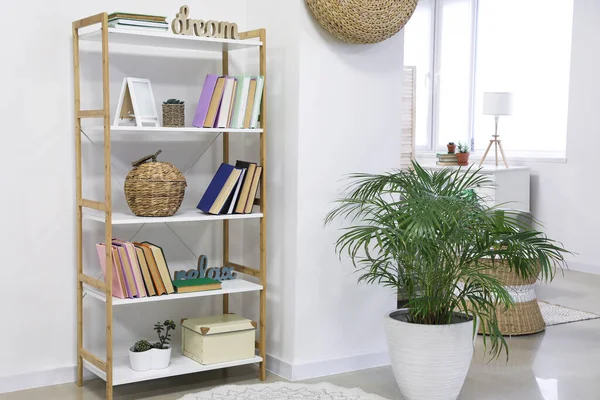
x,y
524,157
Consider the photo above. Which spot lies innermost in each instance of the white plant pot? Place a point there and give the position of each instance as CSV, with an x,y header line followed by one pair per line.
x,y
140,361
161,357
430,362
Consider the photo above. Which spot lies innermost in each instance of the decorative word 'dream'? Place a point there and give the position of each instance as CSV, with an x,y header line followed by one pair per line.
x,y
182,25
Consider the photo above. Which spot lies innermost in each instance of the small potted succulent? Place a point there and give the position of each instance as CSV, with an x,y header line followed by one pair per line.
x,y
451,147
140,355
162,348
173,113
144,356
463,154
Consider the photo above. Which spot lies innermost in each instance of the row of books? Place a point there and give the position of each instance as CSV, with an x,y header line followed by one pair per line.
x,y
232,189
141,270
447,159
229,102
137,22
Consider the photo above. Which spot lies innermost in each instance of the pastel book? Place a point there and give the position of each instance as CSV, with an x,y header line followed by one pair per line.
x,y
227,103
159,286
220,188
205,98
118,286
215,103
129,261
141,258
163,267
260,83
241,99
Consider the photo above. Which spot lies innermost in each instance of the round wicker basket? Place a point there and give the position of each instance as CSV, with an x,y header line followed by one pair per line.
x,y
362,21
154,189
525,316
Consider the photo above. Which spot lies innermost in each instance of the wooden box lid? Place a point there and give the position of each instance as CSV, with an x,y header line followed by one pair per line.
x,y
219,324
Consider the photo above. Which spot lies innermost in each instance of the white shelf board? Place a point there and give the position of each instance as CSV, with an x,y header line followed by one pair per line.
x,y
169,40
228,287
180,365
152,133
191,215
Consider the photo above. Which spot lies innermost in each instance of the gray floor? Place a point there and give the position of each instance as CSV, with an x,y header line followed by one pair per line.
x,y
562,363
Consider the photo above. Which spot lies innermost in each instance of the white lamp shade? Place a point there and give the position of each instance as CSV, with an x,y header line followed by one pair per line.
x,y
497,103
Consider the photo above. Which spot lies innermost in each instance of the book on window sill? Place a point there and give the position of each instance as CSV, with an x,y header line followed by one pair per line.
x,y
447,163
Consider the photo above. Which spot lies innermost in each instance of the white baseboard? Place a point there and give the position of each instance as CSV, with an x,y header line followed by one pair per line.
x,y
58,376
581,267
318,369
31,380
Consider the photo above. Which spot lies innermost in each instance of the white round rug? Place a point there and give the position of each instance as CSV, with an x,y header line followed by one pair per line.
x,y
282,391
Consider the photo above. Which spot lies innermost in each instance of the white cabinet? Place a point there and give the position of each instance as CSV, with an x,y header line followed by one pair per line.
x,y
511,186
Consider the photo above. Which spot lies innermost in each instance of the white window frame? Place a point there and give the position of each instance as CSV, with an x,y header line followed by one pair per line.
x,y
433,146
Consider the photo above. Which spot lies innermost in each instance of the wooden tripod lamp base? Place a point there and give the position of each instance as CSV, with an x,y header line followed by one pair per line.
x,y
496,104
497,144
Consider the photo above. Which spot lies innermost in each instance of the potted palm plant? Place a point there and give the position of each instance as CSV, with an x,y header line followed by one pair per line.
x,y
428,235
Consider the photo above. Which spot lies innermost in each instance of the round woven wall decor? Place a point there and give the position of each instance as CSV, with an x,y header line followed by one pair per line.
x,y
362,21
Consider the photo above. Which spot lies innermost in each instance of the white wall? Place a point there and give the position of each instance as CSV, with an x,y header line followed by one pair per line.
x,y
346,94
325,121
38,235
565,195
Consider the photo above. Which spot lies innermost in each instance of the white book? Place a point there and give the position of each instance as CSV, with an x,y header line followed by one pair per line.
x,y
240,102
137,28
226,103
237,192
124,21
260,82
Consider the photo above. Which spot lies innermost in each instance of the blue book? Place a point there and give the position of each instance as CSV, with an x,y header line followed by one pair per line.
x,y
219,190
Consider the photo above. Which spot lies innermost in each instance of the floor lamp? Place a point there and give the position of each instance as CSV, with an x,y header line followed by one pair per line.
x,y
496,104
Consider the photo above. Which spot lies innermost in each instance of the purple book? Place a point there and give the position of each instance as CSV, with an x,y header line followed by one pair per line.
x,y
204,102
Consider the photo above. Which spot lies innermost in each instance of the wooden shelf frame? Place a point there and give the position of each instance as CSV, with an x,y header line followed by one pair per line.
x,y
105,368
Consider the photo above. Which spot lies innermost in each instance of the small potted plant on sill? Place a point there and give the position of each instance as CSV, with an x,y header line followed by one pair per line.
x,y
451,147
463,154
144,356
173,113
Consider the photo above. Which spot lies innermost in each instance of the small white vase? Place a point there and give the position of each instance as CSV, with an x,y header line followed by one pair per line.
x,y
161,357
140,361
430,362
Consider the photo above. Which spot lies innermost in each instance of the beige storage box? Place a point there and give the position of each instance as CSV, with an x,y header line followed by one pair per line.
x,y
218,339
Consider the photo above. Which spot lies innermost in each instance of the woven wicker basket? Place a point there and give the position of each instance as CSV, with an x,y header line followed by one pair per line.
x,y
154,189
524,317
173,115
362,21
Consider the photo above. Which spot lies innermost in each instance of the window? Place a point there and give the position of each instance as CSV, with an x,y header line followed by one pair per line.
x,y
463,48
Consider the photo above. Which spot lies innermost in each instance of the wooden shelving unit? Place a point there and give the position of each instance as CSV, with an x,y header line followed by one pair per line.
x,y
116,371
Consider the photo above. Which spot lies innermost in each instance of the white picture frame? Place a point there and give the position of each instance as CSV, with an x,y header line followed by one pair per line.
x,y
137,101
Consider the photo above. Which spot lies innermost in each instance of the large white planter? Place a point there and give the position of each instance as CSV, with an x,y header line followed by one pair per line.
x,y
430,362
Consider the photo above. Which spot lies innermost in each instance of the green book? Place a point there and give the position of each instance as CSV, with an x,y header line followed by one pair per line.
x,y
241,100
196,285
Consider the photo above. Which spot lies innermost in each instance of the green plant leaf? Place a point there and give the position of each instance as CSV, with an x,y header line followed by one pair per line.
x,y
431,236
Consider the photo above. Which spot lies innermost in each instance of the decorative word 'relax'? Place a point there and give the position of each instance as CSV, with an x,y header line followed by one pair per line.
x,y
181,25
220,274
